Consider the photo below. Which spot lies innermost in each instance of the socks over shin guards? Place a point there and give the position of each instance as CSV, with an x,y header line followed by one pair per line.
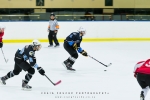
x,y
27,78
9,75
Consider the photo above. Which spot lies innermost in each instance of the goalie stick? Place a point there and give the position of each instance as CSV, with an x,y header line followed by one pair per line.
x,y
6,60
100,62
53,82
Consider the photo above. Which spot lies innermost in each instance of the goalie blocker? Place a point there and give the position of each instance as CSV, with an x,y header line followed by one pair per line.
x,y
72,46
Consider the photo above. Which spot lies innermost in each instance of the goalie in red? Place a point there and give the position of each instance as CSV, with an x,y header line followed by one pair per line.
x,y
142,74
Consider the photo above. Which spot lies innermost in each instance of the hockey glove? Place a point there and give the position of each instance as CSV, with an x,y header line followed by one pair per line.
x,y
41,70
84,53
1,44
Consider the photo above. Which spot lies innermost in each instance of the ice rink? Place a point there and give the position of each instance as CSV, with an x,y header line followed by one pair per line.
x,y
117,83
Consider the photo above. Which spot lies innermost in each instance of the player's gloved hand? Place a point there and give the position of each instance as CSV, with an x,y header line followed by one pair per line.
x,y
84,53
41,70
55,31
1,44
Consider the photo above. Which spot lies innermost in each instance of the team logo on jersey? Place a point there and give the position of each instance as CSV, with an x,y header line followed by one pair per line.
x,y
31,53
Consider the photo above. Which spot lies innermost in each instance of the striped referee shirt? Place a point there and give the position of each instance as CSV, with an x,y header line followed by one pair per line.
x,y
53,25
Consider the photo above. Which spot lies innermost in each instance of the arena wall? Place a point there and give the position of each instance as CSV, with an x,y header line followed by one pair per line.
x,y
96,31
75,4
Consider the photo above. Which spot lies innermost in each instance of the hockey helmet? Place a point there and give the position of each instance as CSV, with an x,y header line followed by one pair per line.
x,y
52,14
36,44
2,28
82,30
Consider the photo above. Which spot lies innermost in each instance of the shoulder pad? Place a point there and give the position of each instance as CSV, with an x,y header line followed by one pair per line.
x,y
74,33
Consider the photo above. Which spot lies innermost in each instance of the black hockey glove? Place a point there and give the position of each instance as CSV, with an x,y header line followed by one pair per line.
x,y
84,53
41,70
1,44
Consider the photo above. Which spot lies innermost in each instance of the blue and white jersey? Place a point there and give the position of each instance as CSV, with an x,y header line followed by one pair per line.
x,y
27,53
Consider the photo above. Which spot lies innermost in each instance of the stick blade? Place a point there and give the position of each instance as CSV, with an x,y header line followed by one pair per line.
x,y
58,82
109,64
6,60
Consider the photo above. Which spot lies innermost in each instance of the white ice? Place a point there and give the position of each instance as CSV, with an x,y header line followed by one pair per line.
x,y
118,81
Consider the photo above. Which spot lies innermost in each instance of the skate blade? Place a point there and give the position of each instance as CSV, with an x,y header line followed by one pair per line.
x,y
141,98
64,65
1,82
25,89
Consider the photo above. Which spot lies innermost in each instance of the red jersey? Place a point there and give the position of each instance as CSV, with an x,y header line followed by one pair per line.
x,y
1,36
143,67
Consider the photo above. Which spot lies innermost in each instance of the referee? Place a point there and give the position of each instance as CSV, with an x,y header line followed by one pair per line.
x,y
53,29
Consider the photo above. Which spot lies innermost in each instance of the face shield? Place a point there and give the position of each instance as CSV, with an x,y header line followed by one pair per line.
x,y
38,47
82,31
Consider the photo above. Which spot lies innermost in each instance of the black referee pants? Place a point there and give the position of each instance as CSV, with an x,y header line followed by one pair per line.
x,y
143,80
53,36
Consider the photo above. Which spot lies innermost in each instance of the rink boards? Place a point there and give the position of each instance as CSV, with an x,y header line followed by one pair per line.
x,y
97,31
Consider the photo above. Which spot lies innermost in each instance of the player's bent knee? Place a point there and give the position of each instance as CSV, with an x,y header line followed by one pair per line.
x,y
75,56
31,70
16,72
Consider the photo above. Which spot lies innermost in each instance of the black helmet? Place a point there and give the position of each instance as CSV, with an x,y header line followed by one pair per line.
x,y
52,14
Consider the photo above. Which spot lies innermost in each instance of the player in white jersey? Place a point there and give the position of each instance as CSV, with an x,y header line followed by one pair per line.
x,y
53,30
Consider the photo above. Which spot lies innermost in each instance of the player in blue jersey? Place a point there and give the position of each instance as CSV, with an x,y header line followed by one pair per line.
x,y
72,46
21,57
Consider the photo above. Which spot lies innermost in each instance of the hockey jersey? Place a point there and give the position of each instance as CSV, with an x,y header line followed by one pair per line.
x,y
27,53
74,37
1,36
142,67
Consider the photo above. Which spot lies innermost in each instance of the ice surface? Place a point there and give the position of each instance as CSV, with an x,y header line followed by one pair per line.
x,y
118,81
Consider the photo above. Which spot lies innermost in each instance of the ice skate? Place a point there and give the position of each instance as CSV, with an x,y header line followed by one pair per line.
x,y
142,95
56,46
50,45
68,66
2,80
26,86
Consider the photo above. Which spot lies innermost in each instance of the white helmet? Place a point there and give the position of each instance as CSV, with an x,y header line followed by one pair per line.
x,y
36,44
82,30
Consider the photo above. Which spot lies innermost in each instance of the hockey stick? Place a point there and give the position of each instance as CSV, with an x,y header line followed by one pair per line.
x,y
101,62
6,60
53,82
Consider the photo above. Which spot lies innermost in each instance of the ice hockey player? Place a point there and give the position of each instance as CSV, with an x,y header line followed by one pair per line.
x,y
21,57
2,28
53,30
72,45
142,74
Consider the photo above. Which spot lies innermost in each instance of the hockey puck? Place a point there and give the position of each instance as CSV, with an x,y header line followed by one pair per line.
x,y
105,70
